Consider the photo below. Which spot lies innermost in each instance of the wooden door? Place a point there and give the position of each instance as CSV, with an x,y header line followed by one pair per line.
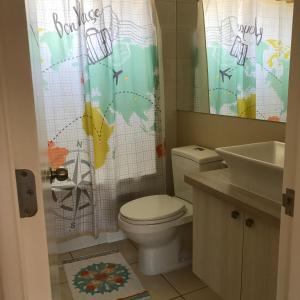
x,y
217,244
260,257
289,249
23,240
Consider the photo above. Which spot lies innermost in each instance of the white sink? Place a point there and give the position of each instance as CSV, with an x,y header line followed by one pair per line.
x,y
257,168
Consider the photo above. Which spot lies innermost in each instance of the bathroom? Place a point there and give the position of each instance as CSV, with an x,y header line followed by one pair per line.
x,y
156,200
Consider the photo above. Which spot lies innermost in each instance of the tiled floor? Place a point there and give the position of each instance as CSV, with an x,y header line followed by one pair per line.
x,y
177,285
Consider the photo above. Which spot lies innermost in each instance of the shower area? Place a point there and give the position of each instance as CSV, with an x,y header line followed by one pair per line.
x,y
96,69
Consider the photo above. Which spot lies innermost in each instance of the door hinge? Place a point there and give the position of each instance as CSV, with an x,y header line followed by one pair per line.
x,y
288,200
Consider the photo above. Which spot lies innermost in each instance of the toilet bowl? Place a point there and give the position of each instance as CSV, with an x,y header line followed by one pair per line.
x,y
157,233
158,224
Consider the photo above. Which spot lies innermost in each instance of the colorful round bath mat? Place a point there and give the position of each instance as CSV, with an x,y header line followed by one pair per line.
x,y
101,278
107,277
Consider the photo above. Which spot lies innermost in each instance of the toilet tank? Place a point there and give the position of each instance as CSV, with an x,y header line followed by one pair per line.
x,y
191,159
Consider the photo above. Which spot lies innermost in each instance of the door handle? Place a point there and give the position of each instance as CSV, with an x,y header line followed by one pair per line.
x,y
235,214
249,222
60,174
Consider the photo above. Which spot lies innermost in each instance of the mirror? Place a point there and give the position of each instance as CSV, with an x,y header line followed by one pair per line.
x,y
233,57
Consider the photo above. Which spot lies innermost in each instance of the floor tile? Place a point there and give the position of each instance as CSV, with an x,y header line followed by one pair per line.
x,y
203,294
57,259
125,247
58,275
64,256
66,292
99,249
61,292
57,272
62,275
128,250
53,259
157,286
184,280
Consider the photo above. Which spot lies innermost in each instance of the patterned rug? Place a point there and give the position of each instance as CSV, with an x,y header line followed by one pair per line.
x,y
107,277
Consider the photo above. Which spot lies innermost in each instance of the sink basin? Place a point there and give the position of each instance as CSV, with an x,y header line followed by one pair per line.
x,y
257,167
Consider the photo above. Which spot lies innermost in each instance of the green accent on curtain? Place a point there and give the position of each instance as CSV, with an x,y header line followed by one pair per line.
x,y
60,48
136,85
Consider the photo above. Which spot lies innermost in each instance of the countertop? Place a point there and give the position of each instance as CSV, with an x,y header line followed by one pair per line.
x,y
217,183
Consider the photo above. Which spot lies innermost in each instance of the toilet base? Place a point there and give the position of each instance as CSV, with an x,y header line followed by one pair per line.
x,y
161,259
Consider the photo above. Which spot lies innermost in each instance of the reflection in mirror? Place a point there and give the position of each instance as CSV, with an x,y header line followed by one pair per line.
x,y
233,57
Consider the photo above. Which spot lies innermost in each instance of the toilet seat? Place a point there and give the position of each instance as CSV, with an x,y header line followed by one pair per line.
x,y
152,210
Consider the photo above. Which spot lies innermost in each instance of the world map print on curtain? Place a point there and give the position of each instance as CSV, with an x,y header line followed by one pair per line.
x,y
248,52
100,70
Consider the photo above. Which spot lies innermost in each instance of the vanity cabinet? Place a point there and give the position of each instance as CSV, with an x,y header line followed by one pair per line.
x,y
235,249
260,257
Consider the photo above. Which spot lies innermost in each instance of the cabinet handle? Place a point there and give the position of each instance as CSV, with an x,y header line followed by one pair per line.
x,y
249,222
235,214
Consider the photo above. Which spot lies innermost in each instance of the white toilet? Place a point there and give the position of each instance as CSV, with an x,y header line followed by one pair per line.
x,y
154,222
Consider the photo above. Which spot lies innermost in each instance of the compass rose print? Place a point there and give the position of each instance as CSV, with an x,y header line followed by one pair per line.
x,y
74,196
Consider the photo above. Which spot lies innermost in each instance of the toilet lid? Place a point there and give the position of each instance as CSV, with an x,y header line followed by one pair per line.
x,y
153,208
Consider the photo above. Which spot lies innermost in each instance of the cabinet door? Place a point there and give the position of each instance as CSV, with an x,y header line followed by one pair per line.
x,y
217,245
260,257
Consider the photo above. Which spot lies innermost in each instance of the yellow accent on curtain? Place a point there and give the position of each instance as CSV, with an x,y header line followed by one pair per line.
x,y
246,108
95,125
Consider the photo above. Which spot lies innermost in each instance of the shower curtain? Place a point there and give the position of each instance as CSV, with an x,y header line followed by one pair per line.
x,y
99,64
248,52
